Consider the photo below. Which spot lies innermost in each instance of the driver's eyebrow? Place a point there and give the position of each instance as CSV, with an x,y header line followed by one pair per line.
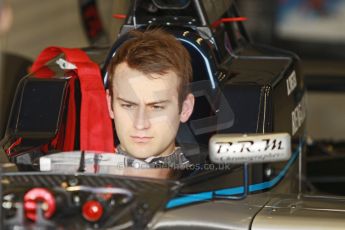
x,y
149,104
157,102
126,101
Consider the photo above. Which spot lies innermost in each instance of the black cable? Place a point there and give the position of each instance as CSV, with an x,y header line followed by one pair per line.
x,y
82,162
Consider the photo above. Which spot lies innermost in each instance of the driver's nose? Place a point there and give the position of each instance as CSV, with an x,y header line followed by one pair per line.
x,y
141,119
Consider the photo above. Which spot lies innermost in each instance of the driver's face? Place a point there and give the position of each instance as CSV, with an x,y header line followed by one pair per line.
x,y
145,110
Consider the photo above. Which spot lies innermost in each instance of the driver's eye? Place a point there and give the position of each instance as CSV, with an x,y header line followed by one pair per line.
x,y
127,106
157,107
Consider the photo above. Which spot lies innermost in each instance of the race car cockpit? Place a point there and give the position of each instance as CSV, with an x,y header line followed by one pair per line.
x,y
40,105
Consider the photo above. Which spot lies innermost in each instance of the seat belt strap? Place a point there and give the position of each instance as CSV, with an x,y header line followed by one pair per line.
x,y
96,131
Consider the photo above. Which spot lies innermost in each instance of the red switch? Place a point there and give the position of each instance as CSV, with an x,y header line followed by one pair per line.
x,y
92,210
39,196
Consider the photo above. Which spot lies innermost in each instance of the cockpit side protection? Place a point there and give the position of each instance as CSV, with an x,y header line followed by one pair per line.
x,y
187,199
96,131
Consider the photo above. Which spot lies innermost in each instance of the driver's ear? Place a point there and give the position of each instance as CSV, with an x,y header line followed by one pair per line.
x,y
110,106
187,108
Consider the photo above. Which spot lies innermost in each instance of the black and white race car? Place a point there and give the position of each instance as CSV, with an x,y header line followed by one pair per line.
x,y
246,140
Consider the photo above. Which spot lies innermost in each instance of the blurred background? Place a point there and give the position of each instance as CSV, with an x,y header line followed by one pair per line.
x,y
314,29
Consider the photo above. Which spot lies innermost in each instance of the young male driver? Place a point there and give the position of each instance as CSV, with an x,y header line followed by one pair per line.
x,y
148,96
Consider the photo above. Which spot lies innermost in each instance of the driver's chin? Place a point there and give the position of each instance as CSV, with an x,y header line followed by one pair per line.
x,y
141,152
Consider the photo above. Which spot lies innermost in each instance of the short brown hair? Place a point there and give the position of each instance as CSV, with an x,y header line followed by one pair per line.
x,y
154,51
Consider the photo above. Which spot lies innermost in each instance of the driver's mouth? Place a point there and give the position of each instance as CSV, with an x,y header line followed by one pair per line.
x,y
141,139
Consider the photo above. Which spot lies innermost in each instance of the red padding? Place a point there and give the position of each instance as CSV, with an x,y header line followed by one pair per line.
x,y
222,20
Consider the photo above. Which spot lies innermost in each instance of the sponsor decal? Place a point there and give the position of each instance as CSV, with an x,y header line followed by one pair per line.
x,y
291,83
229,148
298,115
